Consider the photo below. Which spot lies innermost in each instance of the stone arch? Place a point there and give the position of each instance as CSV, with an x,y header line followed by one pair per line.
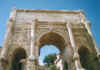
x,y
84,45
52,38
64,36
84,55
19,55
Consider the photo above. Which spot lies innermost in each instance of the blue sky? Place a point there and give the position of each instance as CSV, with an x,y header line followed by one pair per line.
x,y
45,50
90,7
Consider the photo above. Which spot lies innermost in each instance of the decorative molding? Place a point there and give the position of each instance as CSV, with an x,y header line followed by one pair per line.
x,y
51,11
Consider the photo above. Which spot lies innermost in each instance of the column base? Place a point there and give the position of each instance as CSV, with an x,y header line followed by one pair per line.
x,y
77,62
3,63
31,64
32,58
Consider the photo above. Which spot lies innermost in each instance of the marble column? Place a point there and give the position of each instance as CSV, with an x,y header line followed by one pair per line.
x,y
71,37
77,63
87,26
3,64
36,55
32,42
7,42
10,25
32,59
32,64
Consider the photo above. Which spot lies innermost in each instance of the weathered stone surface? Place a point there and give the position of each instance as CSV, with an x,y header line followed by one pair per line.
x,y
0,49
29,30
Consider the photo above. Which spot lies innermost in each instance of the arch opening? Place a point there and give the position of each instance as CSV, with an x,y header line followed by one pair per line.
x,y
47,50
18,56
52,38
84,57
88,59
52,41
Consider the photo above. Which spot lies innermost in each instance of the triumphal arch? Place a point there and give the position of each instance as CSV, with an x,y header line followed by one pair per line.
x,y
28,30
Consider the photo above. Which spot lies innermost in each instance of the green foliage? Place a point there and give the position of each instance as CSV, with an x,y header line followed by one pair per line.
x,y
48,60
92,63
65,66
52,67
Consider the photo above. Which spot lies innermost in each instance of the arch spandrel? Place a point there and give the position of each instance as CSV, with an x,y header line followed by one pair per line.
x,y
44,27
64,35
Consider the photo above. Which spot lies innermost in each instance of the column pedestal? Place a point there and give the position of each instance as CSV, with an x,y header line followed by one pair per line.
x,y
3,63
32,64
77,62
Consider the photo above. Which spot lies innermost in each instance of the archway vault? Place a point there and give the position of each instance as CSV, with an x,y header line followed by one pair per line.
x,y
18,55
52,38
85,58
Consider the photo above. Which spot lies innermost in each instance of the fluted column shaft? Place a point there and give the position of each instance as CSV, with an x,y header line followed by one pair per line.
x,y
76,55
6,44
87,26
32,61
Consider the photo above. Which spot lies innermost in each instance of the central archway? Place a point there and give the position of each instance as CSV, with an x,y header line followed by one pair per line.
x,y
54,39
18,56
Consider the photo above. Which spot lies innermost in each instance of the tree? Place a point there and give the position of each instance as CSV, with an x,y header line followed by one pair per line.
x,y
52,67
48,60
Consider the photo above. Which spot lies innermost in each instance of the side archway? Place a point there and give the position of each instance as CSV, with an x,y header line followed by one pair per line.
x,y
84,57
88,59
18,56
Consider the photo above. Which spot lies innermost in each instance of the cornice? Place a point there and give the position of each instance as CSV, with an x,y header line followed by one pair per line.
x,y
50,11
